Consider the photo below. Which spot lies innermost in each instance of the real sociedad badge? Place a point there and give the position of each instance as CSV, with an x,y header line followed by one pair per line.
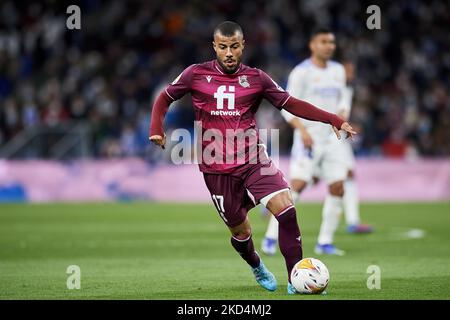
x,y
243,81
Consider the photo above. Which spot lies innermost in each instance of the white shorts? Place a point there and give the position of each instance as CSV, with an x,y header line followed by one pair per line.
x,y
327,161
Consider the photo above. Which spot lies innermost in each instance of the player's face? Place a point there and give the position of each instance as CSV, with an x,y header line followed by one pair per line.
x,y
229,50
323,46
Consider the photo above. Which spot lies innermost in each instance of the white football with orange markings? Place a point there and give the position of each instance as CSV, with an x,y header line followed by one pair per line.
x,y
310,276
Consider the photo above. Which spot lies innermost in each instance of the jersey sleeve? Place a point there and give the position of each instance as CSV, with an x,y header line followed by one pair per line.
x,y
272,91
181,85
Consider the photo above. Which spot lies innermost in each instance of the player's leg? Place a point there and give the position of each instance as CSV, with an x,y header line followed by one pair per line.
x,y
331,210
351,201
270,240
232,203
301,170
273,192
289,236
241,240
333,171
269,243
351,198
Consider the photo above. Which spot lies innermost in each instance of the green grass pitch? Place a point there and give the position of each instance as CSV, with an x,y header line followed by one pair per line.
x,y
183,251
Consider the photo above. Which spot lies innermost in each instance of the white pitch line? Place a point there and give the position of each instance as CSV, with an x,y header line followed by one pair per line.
x,y
410,234
399,234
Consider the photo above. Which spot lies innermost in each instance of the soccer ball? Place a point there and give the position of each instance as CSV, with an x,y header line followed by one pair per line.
x,y
310,276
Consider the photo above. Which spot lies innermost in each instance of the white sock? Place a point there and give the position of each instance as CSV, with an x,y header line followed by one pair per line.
x,y
351,202
330,218
272,228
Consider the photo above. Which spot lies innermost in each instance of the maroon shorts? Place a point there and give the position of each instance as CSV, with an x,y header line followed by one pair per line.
x,y
234,194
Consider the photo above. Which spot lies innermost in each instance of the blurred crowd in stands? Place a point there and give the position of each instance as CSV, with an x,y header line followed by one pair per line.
x,y
109,72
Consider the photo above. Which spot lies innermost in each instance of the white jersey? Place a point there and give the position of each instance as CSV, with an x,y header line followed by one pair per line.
x,y
323,87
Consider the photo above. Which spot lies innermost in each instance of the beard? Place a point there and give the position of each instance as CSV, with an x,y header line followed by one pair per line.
x,y
227,69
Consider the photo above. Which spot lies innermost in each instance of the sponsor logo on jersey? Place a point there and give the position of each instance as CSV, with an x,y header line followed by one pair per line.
x,y
225,93
225,113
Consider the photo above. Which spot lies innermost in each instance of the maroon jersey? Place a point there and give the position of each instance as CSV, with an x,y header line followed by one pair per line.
x,y
225,105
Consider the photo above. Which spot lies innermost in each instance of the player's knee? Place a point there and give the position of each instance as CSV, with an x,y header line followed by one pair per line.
x,y
280,202
337,189
242,234
242,231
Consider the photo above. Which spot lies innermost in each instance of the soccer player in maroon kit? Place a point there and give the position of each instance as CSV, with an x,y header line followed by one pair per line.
x,y
226,95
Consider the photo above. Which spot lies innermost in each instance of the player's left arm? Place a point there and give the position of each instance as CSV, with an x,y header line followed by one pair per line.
x,y
307,111
282,100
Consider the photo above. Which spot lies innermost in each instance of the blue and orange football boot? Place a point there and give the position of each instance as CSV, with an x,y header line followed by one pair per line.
x,y
264,277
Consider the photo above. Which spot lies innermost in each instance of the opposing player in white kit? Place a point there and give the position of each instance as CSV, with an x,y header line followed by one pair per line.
x,y
315,154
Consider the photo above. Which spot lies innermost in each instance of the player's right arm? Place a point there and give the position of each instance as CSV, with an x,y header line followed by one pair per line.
x,y
174,91
159,110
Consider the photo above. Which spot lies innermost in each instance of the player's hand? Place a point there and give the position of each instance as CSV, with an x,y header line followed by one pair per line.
x,y
306,139
158,140
345,127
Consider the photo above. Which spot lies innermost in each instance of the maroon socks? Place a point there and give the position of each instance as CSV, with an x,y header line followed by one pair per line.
x,y
289,238
247,251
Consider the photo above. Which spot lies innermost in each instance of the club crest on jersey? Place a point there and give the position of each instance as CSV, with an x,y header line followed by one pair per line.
x,y
243,81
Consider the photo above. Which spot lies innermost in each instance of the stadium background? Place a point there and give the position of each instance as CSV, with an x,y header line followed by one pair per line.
x,y
75,106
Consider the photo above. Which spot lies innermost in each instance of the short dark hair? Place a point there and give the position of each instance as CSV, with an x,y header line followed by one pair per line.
x,y
319,30
228,28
